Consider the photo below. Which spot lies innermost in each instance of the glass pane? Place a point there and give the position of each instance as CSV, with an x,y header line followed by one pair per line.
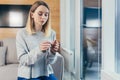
x,y
117,37
92,17
91,40
92,53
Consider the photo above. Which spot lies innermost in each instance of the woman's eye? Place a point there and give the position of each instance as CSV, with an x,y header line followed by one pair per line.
x,y
46,14
40,14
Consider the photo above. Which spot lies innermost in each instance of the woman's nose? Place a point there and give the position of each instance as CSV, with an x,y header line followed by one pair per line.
x,y
43,16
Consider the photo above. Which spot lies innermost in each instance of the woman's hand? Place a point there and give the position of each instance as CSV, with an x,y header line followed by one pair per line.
x,y
45,46
55,46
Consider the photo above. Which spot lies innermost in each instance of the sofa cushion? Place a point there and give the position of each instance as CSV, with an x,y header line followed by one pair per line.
x,y
9,72
1,43
11,56
2,55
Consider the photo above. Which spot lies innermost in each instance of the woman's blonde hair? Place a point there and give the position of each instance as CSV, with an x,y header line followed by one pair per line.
x,y
30,26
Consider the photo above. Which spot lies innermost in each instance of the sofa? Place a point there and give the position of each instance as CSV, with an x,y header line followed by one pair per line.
x,y
9,62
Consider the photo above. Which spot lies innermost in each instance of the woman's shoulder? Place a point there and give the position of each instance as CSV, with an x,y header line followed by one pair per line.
x,y
22,31
53,32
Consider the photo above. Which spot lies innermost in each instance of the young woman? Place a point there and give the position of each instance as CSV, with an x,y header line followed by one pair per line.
x,y
36,45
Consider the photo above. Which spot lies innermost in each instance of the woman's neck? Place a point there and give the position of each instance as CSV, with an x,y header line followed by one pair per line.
x,y
38,28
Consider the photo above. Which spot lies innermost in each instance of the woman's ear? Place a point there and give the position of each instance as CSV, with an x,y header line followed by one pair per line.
x,y
31,14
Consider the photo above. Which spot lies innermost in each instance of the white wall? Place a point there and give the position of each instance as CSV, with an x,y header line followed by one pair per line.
x,y
70,19
108,35
65,23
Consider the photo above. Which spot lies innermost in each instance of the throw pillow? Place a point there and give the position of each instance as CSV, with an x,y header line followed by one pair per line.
x,y
2,55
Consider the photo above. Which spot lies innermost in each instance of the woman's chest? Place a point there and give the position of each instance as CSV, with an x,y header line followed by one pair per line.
x,y
34,41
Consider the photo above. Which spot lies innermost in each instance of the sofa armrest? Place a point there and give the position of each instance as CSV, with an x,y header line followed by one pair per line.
x,y
63,64
3,50
58,67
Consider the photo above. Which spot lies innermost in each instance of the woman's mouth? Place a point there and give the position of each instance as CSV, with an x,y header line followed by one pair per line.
x,y
42,21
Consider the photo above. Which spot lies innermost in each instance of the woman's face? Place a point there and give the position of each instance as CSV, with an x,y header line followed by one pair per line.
x,y
40,15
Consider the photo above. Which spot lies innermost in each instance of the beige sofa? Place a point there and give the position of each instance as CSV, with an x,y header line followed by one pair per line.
x,y
9,62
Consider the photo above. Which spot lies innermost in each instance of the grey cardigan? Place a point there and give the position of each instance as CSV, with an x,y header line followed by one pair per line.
x,y
29,54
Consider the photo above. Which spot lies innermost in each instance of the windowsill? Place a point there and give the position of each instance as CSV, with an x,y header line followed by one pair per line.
x,y
108,75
